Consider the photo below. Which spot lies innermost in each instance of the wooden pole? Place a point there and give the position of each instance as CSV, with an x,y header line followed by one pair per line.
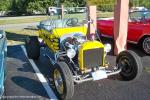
x,y
121,25
92,18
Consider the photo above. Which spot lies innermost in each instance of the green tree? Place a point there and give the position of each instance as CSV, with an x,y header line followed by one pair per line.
x,y
18,7
74,3
39,5
29,6
4,5
103,5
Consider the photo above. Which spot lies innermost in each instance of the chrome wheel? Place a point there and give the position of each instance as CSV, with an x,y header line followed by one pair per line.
x,y
63,82
58,81
146,45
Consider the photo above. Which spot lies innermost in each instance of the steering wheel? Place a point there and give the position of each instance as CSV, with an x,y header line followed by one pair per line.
x,y
72,21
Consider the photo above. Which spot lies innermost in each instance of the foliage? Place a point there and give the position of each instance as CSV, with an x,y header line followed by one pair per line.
x,y
19,7
108,5
39,5
4,5
103,5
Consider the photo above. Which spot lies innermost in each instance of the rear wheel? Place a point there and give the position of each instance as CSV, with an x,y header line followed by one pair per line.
x,y
146,45
63,80
130,64
33,47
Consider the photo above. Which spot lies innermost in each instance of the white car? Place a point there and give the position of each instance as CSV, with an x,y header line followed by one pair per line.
x,y
55,10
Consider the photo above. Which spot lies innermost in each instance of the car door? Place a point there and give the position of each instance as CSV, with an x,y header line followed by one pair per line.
x,y
3,54
135,31
105,27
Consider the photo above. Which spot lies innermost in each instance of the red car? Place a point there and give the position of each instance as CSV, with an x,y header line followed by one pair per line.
x,y
138,28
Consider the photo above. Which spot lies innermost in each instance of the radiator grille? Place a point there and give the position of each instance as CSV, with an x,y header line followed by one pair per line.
x,y
93,57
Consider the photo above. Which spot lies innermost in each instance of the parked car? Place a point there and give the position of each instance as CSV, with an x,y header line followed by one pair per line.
x,y
138,28
72,10
2,13
55,10
138,9
3,52
76,59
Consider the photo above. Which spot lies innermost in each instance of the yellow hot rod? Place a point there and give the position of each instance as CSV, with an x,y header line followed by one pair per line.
x,y
77,59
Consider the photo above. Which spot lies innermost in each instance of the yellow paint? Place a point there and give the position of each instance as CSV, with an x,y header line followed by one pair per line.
x,y
86,46
51,38
59,32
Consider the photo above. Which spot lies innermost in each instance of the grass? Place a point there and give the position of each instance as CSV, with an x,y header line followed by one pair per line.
x,y
22,20
17,36
105,14
18,20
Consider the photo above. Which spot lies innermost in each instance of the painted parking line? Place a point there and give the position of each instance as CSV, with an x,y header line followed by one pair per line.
x,y
42,79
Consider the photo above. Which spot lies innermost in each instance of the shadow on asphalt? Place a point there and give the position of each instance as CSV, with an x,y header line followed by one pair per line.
x,y
28,84
25,68
16,37
16,52
43,65
31,28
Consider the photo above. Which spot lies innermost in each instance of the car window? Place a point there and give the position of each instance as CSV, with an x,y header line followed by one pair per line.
x,y
139,15
72,16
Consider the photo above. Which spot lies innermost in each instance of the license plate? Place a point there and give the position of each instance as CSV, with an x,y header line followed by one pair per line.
x,y
99,75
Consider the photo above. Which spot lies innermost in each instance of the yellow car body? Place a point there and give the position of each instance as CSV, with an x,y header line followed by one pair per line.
x,y
89,45
52,40
75,58
52,37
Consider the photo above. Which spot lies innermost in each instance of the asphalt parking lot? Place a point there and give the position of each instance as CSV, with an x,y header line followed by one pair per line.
x,y
23,83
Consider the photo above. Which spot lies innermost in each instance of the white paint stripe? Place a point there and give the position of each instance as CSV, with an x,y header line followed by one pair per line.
x,y
41,77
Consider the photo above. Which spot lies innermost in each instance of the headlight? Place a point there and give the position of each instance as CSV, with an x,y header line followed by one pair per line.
x,y
71,53
107,48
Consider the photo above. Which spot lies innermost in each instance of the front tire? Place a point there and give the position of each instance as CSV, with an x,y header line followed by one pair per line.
x,y
130,64
63,81
33,47
146,45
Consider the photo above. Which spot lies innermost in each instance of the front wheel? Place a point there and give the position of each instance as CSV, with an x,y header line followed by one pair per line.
x,y
146,45
130,64
63,80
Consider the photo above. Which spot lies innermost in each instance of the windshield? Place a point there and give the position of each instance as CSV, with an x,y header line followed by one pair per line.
x,y
72,17
140,15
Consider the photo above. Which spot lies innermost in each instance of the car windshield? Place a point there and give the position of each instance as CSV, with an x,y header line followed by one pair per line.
x,y
72,17
140,15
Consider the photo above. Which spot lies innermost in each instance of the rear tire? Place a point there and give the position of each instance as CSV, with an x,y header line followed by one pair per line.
x,y
130,64
146,45
63,81
33,47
